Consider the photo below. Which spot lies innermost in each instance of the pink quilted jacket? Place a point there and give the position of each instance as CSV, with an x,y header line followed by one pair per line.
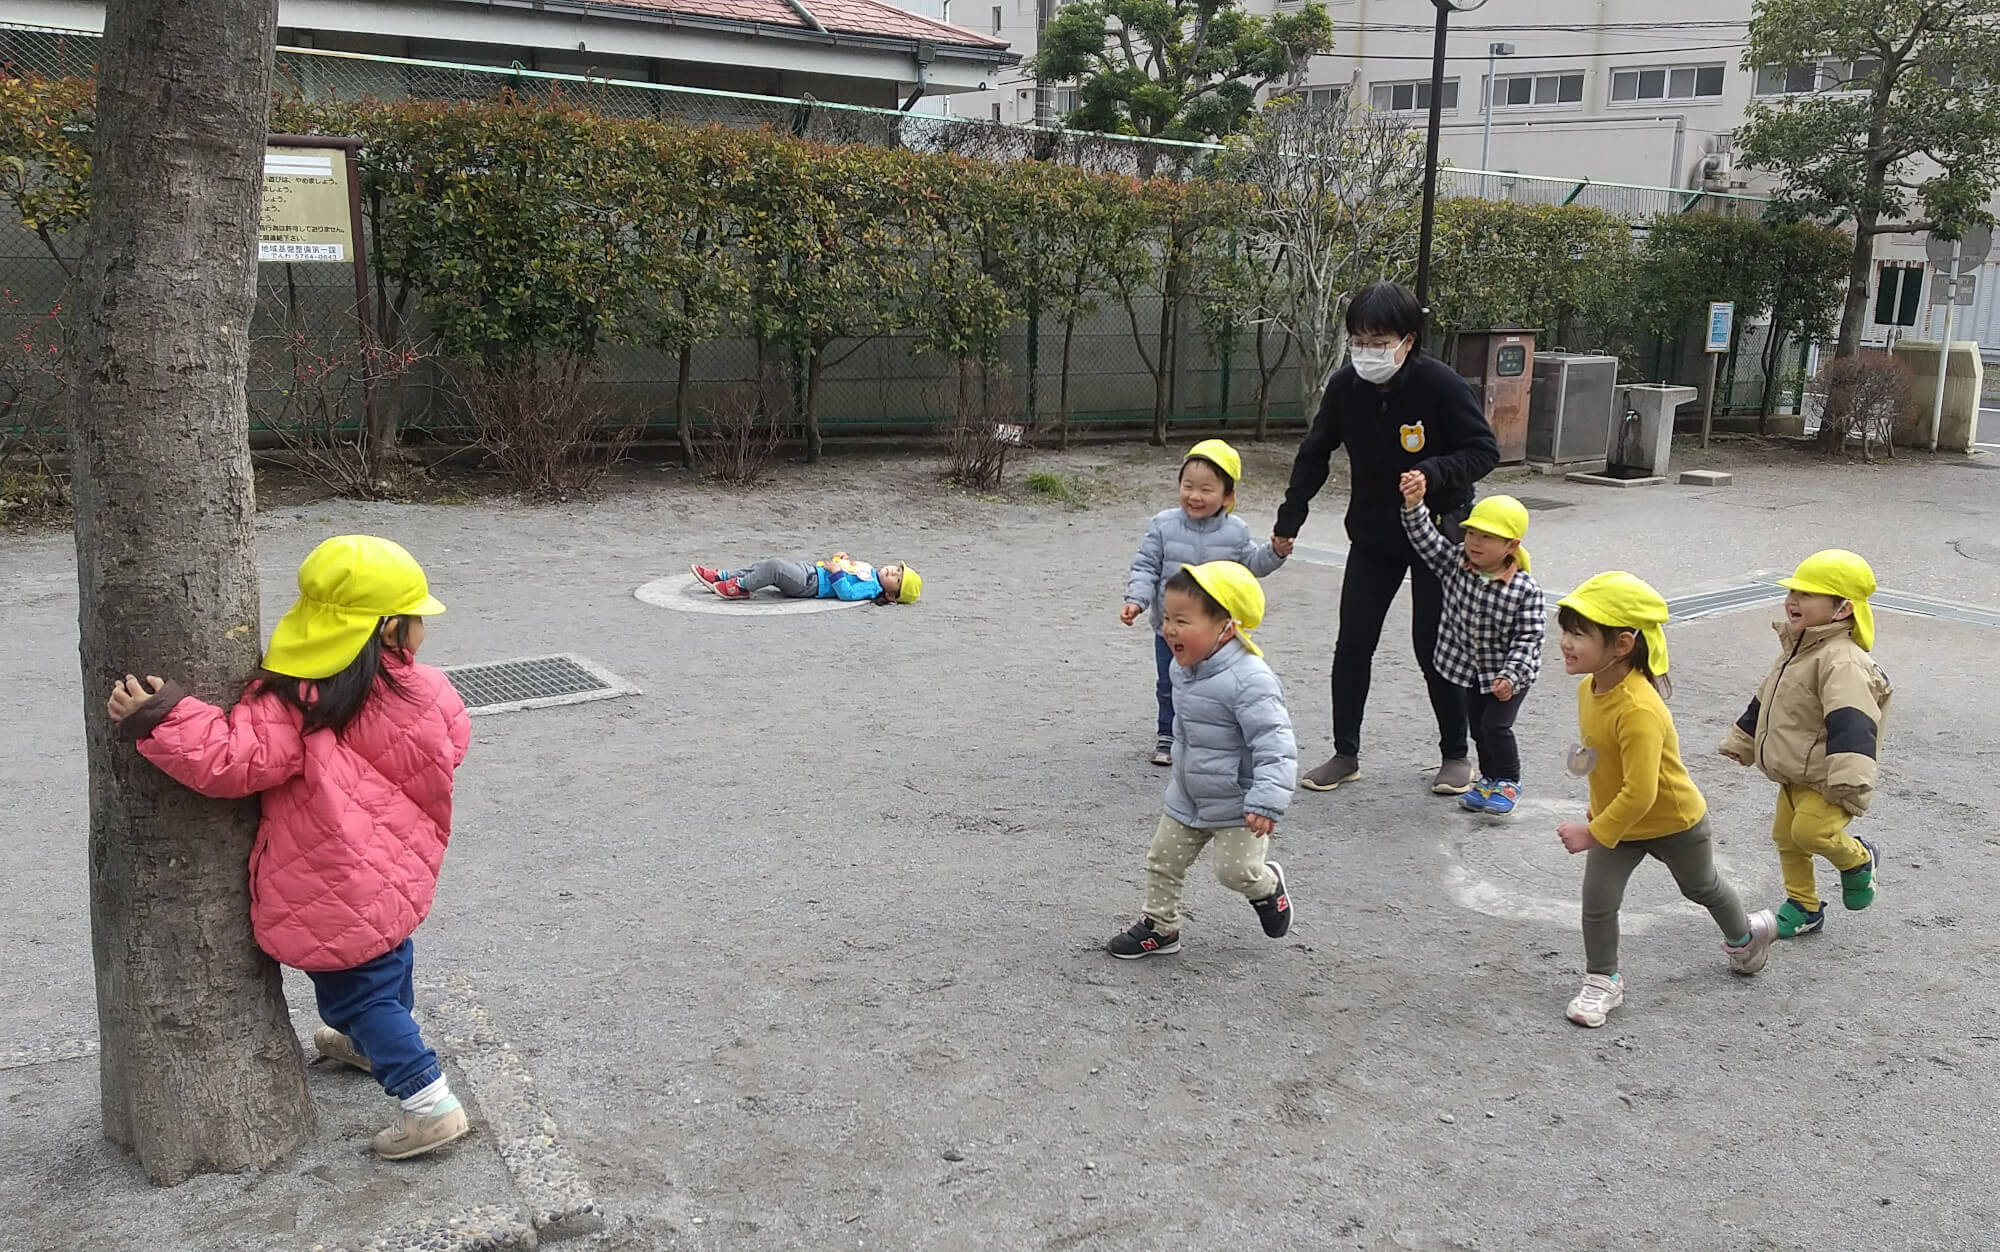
x,y
355,825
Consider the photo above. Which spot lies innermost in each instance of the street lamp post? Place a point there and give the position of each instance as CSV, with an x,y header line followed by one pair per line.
x,y
1445,8
1493,52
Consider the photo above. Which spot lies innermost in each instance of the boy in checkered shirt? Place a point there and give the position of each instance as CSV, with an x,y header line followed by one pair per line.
x,y
1490,641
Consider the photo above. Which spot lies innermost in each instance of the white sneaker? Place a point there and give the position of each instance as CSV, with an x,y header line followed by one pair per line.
x,y
1750,958
1163,750
1599,995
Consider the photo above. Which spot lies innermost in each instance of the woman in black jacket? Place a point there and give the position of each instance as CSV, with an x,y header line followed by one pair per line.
x,y
1395,410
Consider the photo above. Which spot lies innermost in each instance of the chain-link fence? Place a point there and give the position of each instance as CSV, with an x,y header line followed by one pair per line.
x,y
306,329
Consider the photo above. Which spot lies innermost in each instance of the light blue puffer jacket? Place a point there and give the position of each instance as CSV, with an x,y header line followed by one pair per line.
x,y
1233,747
1174,539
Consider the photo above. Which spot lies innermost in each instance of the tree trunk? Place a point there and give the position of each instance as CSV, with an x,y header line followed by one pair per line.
x,y
199,1068
1774,349
1062,389
1163,375
681,430
1854,313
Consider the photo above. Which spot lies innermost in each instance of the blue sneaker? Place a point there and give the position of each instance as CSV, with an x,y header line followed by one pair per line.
x,y
1500,799
1474,801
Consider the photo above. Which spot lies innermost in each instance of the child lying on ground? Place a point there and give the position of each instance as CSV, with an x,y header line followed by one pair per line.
x,y
839,577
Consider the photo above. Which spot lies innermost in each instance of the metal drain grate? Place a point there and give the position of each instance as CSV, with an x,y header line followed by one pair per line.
x,y
1928,606
1542,504
1725,600
534,682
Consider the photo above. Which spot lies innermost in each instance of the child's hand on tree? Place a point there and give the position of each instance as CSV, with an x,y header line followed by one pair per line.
x,y
1412,484
1130,613
128,694
1259,824
1575,836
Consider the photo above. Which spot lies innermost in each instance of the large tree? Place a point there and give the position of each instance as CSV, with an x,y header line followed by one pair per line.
x,y
1175,69
1886,121
200,1069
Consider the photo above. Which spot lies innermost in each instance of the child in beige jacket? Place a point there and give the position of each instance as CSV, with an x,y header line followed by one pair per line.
x,y
1814,728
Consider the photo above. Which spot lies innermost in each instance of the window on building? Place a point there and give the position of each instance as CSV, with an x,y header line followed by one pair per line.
x,y
1411,97
1816,76
996,19
1666,82
1527,91
1324,97
996,112
1066,100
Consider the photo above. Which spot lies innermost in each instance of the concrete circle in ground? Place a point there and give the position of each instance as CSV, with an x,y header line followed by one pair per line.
x,y
686,593
1987,550
1516,868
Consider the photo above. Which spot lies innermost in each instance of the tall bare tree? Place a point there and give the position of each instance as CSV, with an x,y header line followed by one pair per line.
x,y
1336,207
200,1068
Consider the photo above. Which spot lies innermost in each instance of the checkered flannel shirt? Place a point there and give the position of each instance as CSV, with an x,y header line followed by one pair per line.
x,y
1491,629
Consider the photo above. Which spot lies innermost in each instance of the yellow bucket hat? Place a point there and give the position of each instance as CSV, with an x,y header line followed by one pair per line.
x,y
913,586
346,587
1505,517
1625,602
1222,456
1236,590
1838,572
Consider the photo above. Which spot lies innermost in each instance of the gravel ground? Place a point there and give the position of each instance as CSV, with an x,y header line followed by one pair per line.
x,y
801,947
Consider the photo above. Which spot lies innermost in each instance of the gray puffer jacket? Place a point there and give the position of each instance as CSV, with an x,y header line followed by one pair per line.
x,y
1233,747
1174,539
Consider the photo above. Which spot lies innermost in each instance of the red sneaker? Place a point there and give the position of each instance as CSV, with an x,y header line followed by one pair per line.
x,y
708,576
728,590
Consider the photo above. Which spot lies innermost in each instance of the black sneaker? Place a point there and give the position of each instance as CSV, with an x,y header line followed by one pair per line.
x,y
1143,940
1163,750
1275,910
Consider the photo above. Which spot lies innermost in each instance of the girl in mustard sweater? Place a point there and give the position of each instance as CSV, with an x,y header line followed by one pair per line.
x,y
1642,802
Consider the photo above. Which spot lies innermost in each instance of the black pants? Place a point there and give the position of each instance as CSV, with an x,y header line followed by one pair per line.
x,y
1493,730
1370,581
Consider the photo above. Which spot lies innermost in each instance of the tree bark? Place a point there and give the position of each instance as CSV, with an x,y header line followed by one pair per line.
x,y
1854,313
682,432
815,443
200,1069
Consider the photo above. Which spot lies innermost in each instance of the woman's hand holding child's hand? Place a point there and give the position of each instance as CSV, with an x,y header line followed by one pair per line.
x,y
1413,485
1282,545
129,693
1130,613
1259,824
1575,836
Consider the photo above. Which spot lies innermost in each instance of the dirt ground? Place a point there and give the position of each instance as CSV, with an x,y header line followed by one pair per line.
x,y
801,947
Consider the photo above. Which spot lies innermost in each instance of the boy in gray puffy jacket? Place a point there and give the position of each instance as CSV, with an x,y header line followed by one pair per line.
x,y
1234,758
1204,528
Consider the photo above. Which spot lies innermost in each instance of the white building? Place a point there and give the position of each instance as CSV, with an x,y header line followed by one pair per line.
x,y
864,52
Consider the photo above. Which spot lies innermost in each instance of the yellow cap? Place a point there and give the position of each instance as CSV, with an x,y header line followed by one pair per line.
x,y
346,587
1237,591
913,586
1505,517
1219,454
1625,602
1838,572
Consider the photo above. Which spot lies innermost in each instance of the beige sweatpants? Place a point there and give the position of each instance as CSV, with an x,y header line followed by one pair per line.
x,y
1239,866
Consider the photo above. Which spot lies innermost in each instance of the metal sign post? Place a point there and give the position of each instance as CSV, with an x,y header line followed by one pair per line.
x,y
1953,257
1721,326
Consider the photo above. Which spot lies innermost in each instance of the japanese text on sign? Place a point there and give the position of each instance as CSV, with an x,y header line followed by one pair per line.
x,y
307,214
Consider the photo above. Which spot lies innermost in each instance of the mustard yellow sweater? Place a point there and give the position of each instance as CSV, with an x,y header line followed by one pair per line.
x,y
1638,788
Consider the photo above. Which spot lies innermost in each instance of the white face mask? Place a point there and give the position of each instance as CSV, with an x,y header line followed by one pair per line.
x,y
1377,365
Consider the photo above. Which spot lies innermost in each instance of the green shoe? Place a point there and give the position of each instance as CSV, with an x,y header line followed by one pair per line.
x,y
1794,920
1857,885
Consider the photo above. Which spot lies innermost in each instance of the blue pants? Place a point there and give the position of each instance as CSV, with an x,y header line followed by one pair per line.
x,y
1163,663
371,1004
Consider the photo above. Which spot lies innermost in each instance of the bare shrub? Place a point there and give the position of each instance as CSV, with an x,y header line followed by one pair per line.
x,y
34,367
1861,397
981,401
743,426
545,421
318,417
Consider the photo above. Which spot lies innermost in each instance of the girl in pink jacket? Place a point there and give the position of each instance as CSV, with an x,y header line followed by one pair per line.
x,y
351,744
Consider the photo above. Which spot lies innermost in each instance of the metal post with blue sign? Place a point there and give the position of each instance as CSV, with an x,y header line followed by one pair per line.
x,y
1721,328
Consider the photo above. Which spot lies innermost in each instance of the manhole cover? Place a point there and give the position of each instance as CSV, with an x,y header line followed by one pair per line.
x,y
1542,504
682,592
534,682
1986,550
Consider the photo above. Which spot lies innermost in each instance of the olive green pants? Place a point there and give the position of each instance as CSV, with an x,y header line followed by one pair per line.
x,y
1239,865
